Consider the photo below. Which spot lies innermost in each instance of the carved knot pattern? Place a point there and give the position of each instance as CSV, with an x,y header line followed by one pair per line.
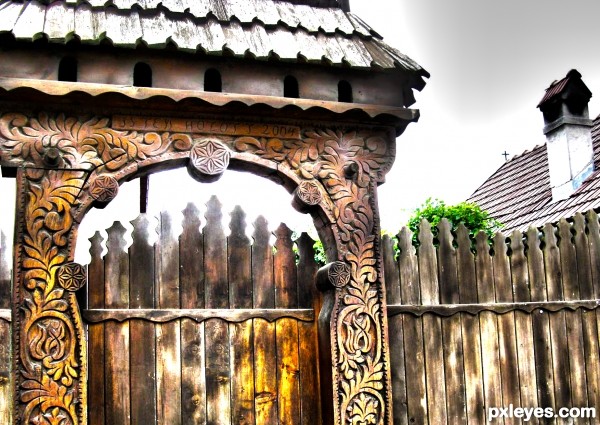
x,y
339,274
210,157
309,193
71,276
104,188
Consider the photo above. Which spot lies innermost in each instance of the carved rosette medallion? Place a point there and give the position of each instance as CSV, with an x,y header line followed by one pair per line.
x,y
309,193
339,274
71,276
209,158
104,189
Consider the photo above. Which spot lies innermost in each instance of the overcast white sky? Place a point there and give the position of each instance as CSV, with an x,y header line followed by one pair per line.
x,y
489,62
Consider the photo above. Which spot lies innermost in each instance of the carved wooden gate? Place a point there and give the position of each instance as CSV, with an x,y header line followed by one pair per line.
x,y
202,328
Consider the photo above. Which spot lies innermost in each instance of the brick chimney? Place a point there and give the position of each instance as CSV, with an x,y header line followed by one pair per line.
x,y
567,127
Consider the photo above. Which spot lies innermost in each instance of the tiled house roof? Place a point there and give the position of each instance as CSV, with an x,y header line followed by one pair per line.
x,y
257,29
518,194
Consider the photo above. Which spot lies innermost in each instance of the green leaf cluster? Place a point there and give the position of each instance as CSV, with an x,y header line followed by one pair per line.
x,y
470,214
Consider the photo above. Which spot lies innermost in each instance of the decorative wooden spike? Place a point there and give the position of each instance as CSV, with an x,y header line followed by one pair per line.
x,y
552,263
141,229
215,257
96,245
594,244
116,237
307,195
191,259
284,238
71,276
485,280
391,273
141,259
449,292
586,289
466,266
238,225
535,257
568,261
502,279
262,265
209,158
518,263
214,212
103,189
430,289
408,266
284,269
307,270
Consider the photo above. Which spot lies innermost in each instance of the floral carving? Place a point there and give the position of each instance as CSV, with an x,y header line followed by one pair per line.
x,y
71,276
209,157
104,188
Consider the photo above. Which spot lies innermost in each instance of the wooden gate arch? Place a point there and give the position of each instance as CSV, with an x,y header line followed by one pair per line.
x,y
66,163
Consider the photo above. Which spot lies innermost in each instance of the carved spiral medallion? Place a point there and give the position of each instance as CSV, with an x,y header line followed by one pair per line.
x,y
71,276
209,157
339,274
308,192
104,188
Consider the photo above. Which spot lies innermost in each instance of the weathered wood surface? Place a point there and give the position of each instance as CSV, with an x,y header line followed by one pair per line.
x,y
5,334
525,308
208,328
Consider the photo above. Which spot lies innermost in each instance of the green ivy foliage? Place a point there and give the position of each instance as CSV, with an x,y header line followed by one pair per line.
x,y
470,214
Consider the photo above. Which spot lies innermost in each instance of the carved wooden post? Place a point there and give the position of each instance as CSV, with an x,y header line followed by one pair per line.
x,y
49,350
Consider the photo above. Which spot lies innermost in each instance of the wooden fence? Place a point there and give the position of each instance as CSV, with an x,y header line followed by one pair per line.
x,y
478,324
473,324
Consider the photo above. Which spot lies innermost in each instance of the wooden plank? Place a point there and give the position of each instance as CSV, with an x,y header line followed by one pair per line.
x,y
142,335
506,326
558,336
308,296
471,334
594,246
265,353
96,361
523,323
116,335
216,332
432,327
540,320
286,296
396,332
451,327
239,254
570,282
191,275
413,331
168,335
589,324
490,352
5,336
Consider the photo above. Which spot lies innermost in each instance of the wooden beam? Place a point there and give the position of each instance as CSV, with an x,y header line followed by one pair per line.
x,y
199,315
448,310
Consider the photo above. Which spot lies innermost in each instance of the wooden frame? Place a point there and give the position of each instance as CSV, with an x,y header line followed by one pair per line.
x,y
66,163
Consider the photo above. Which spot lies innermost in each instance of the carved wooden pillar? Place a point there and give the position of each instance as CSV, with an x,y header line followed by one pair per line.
x,y
49,352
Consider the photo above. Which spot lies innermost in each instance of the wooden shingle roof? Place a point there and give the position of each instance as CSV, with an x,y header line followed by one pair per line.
x,y
519,195
254,29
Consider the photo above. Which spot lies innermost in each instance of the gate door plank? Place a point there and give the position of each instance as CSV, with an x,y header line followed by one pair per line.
x,y
307,332
168,340
142,338
265,354
96,334
216,333
116,275
240,296
191,263
286,296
